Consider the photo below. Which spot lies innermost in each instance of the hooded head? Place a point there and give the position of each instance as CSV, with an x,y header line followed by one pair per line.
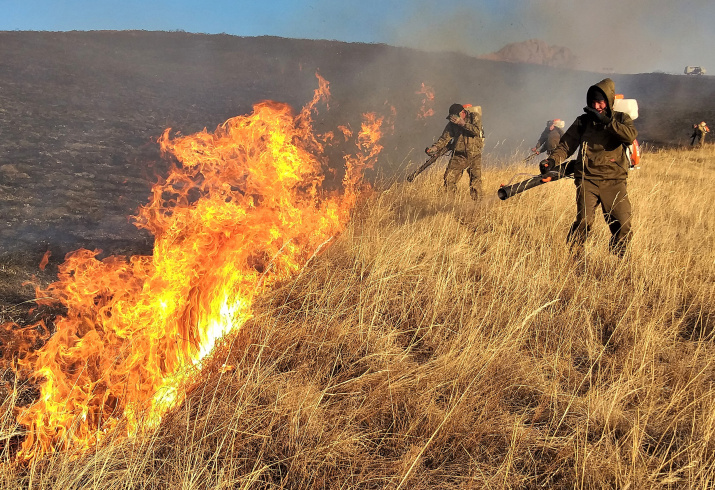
x,y
603,90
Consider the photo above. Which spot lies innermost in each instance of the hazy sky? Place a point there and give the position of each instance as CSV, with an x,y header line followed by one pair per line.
x,y
626,36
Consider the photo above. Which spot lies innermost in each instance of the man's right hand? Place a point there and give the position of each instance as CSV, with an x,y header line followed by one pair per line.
x,y
546,166
599,117
456,119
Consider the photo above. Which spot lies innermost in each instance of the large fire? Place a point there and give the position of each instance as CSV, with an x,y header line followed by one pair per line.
x,y
242,208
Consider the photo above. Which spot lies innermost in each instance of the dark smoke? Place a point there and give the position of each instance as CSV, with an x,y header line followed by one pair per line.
x,y
617,36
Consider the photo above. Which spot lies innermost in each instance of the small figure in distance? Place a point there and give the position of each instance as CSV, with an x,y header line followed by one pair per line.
x,y
699,132
550,137
465,134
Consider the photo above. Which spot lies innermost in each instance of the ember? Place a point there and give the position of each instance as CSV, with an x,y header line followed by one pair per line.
x,y
45,260
242,208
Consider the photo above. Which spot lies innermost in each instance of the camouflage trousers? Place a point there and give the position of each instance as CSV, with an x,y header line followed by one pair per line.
x,y
613,198
455,168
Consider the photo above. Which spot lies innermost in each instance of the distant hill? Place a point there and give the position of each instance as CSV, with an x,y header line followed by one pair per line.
x,y
536,52
80,112
189,81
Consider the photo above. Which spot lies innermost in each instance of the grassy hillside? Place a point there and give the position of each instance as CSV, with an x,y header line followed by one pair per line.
x,y
439,344
80,113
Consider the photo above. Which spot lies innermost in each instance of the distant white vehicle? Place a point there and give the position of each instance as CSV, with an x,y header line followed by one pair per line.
x,y
694,70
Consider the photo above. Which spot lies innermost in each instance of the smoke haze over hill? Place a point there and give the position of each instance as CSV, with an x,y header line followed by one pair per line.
x,y
607,36
536,52
80,112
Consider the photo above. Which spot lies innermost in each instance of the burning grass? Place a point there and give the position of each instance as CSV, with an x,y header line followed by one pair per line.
x,y
437,344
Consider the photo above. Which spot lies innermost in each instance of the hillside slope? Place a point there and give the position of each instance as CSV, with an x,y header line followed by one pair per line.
x,y
80,113
437,344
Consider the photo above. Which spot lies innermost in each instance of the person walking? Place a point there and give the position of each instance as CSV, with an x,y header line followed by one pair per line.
x,y
465,134
699,132
601,168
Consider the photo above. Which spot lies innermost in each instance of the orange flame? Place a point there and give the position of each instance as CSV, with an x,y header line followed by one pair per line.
x,y
45,260
347,132
368,148
427,101
242,209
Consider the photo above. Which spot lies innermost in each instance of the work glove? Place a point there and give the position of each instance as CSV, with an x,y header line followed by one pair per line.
x,y
546,166
534,150
454,118
599,117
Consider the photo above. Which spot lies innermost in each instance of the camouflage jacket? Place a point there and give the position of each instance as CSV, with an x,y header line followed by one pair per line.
x,y
467,140
602,148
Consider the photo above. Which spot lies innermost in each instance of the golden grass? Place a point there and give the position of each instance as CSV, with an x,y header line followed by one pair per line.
x,y
440,344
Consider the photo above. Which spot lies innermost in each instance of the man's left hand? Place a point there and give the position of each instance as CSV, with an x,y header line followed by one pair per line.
x,y
454,118
599,117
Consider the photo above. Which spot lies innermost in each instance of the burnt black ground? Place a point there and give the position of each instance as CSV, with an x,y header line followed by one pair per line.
x,y
80,113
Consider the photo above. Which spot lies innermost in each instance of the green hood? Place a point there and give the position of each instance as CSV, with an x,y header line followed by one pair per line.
x,y
608,89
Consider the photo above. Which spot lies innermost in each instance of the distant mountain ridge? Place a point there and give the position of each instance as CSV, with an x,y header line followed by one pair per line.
x,y
536,52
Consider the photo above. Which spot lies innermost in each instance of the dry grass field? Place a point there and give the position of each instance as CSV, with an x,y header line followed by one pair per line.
x,y
441,344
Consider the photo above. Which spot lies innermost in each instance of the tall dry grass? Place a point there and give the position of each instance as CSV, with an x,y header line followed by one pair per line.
x,y
440,344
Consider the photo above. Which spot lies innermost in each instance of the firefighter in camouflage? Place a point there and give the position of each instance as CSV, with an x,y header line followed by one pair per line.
x,y
465,134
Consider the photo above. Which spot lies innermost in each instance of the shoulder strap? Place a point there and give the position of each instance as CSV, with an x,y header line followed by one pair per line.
x,y
581,127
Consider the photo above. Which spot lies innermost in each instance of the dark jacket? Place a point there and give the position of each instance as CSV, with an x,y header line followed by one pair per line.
x,y
468,139
602,154
549,139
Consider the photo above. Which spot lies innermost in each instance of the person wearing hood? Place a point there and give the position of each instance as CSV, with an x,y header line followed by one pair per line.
x,y
601,168
465,134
